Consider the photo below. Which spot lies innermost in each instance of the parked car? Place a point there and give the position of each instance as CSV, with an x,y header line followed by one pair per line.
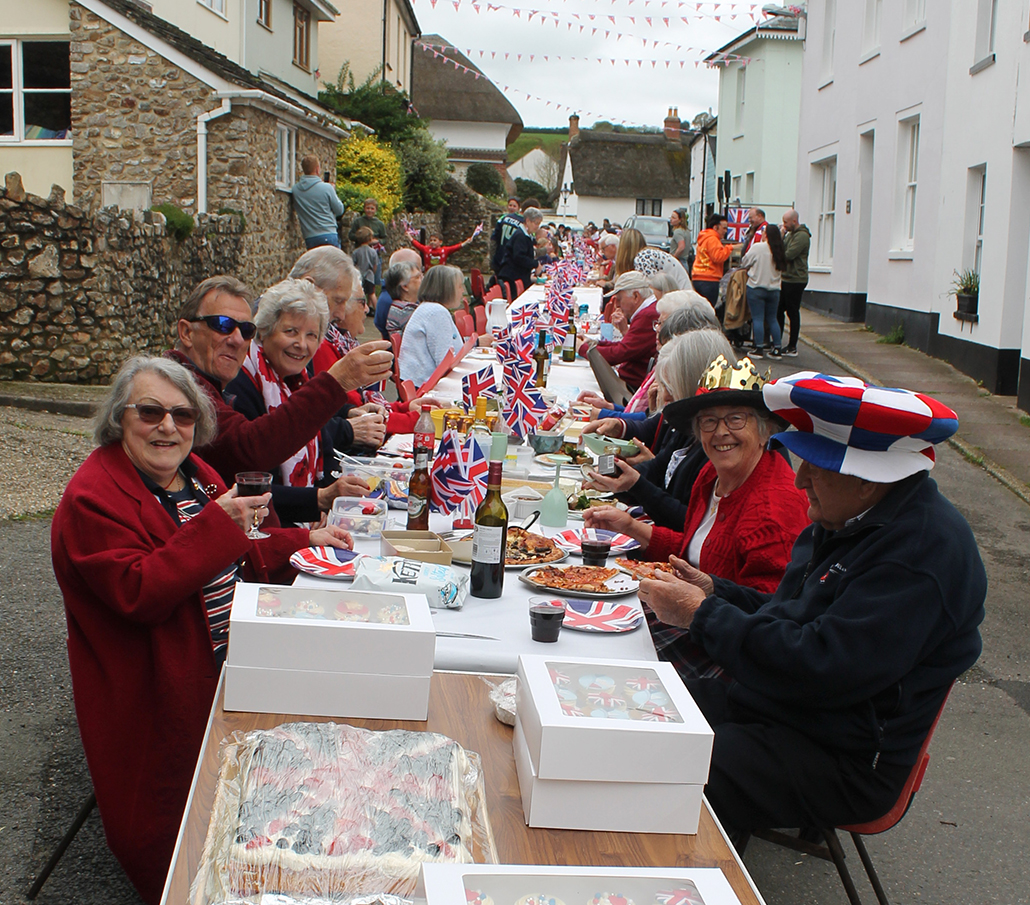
x,y
655,230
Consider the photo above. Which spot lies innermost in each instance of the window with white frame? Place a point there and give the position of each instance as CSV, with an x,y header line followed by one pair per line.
x,y
871,31
826,185
978,196
986,25
285,156
738,108
736,189
217,6
914,14
829,34
749,188
35,91
906,183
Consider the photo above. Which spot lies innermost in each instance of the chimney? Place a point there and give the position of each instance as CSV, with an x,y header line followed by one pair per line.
x,y
573,126
673,130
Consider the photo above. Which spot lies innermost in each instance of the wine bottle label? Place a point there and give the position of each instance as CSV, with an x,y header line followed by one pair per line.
x,y
487,544
570,338
416,506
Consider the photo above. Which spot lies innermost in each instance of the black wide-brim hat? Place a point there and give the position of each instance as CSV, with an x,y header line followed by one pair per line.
x,y
721,384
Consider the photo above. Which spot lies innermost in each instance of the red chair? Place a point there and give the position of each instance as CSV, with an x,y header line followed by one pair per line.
x,y
465,324
519,288
441,371
395,341
832,850
480,315
495,293
478,288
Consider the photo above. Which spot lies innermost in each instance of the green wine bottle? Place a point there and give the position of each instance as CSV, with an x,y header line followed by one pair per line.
x,y
490,529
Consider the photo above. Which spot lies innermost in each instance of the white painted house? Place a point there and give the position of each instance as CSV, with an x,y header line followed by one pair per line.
x,y
537,165
914,163
615,175
759,99
703,173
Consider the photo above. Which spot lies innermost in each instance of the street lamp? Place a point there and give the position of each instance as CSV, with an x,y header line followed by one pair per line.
x,y
566,190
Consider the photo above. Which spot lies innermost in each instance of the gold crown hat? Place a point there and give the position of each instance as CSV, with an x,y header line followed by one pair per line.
x,y
722,383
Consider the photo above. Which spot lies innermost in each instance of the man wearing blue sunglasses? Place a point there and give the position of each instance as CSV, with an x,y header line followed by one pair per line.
x,y
214,333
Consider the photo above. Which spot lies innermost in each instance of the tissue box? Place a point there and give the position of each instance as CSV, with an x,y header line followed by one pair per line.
x,y
425,546
446,884
635,712
329,652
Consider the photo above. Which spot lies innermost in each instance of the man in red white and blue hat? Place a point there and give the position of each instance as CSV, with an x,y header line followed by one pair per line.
x,y
838,675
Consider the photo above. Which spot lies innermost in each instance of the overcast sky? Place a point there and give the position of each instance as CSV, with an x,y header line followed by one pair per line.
x,y
637,93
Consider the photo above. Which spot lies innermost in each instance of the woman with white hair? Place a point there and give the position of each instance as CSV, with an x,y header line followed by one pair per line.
x,y
661,481
147,546
635,254
292,318
430,332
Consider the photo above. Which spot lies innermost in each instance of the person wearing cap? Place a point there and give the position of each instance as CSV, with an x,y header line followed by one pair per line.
x,y
635,298
744,512
839,674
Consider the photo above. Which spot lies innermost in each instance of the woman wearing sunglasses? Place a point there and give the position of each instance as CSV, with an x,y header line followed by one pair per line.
x,y
147,545
744,512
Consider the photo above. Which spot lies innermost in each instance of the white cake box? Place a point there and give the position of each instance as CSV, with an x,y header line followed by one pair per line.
x,y
611,721
329,652
504,884
628,806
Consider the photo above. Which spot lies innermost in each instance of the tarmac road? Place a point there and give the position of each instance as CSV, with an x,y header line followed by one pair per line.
x,y
964,839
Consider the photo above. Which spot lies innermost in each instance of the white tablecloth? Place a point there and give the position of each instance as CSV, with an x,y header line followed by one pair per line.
x,y
507,619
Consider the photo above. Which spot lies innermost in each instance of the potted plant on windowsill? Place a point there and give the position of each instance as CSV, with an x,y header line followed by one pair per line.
x,y
966,289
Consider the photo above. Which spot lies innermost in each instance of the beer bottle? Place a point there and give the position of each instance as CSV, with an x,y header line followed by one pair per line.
x,y
418,483
543,360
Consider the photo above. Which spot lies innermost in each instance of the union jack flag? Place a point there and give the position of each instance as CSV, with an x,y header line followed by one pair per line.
x,y
558,678
643,683
517,371
737,217
687,895
459,472
478,383
524,314
660,715
519,345
604,699
602,616
569,708
524,408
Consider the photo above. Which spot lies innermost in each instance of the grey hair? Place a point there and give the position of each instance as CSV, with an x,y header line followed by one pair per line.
x,y
294,296
688,318
608,239
398,276
534,214
684,359
326,266
440,284
663,283
107,423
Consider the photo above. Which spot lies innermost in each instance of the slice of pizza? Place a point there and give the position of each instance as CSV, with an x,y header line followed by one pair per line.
x,y
639,569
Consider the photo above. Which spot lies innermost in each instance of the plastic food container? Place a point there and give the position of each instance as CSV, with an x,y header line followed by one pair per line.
x,y
359,515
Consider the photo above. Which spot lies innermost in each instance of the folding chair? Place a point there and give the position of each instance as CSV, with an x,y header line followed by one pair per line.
x,y
519,288
495,292
62,846
465,324
395,341
476,281
832,850
480,315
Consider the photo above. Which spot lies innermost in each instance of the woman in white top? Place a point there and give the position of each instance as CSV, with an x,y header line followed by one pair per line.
x,y
430,331
765,262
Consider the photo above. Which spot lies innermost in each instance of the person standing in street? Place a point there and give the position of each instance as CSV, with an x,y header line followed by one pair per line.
x,y
370,220
518,260
317,206
711,258
679,245
503,231
796,241
756,224
764,263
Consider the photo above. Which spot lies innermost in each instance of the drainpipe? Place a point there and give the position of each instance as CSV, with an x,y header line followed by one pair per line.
x,y
382,74
202,122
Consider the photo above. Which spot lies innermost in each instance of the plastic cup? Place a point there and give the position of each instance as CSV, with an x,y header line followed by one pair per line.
x,y
545,620
596,550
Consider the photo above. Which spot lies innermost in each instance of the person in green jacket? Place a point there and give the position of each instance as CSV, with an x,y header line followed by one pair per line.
x,y
796,240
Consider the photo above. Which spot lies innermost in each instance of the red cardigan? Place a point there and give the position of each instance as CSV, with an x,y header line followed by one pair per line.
x,y
755,529
633,352
139,645
266,442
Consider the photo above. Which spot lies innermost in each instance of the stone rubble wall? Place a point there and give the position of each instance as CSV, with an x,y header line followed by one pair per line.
x,y
80,293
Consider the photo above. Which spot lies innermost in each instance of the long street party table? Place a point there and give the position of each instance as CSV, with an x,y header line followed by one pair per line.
x,y
459,707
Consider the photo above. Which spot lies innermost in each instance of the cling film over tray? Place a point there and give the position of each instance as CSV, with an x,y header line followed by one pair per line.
x,y
317,811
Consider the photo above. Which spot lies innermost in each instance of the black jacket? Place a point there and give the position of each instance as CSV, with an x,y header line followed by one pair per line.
x,y
518,258
862,639
505,228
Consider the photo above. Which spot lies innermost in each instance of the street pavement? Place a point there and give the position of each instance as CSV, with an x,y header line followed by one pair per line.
x,y
963,840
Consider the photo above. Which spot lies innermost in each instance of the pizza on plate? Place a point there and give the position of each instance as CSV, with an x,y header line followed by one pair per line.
x,y
527,549
639,569
574,578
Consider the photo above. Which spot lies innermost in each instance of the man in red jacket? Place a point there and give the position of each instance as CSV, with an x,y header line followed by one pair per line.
x,y
214,333
636,302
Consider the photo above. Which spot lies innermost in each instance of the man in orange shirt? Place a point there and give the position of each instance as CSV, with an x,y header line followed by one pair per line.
x,y
711,257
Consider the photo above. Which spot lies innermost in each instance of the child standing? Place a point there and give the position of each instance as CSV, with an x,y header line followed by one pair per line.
x,y
369,265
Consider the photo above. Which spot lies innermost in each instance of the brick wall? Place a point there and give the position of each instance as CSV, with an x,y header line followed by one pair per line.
x,y
80,292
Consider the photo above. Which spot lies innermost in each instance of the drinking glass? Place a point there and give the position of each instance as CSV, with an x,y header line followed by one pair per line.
x,y
254,483
554,510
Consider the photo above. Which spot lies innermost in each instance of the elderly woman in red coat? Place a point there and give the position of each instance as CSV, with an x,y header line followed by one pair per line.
x,y
744,512
147,545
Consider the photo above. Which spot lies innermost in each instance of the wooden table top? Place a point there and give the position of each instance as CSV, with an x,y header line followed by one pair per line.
x,y
460,708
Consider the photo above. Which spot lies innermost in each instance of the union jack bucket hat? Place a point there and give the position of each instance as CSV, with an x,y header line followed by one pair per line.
x,y
880,434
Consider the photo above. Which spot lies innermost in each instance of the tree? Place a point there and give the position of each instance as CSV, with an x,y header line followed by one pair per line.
x,y
375,103
425,165
547,172
484,178
367,169
527,188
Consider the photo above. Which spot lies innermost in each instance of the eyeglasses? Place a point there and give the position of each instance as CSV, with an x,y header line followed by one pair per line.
x,y
222,323
735,421
151,413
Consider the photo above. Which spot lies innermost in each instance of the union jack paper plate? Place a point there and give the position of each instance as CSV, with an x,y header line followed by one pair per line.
x,y
571,539
326,562
601,616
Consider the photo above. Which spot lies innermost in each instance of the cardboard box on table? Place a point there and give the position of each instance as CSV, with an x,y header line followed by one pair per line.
x,y
644,772
302,658
446,884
